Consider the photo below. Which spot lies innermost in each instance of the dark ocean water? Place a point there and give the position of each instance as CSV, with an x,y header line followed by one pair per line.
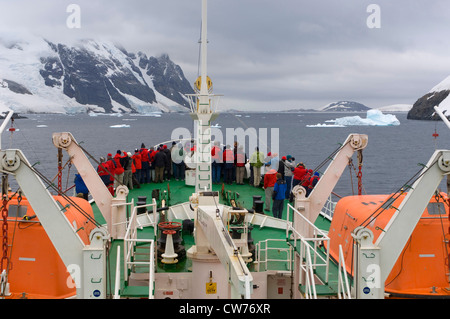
x,y
390,159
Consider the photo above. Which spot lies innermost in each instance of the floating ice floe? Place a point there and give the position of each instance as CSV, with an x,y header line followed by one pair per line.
x,y
325,125
94,114
374,118
152,114
119,125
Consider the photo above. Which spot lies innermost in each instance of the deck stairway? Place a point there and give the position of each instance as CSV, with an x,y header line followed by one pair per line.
x,y
135,259
325,285
320,276
138,283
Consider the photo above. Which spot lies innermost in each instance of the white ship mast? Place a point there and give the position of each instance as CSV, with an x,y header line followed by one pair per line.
x,y
202,112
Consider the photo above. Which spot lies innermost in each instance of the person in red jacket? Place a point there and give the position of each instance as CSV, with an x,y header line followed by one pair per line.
x,y
240,160
110,165
270,178
306,181
312,183
299,174
118,171
134,178
137,165
145,163
216,159
103,171
151,160
228,162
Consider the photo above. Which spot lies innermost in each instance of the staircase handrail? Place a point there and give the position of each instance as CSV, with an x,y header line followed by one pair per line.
x,y
130,241
343,286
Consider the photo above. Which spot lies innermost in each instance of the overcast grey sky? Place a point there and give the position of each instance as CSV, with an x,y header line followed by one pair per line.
x,y
270,54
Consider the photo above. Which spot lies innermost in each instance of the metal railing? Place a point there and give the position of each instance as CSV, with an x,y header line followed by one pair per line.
x,y
343,286
213,102
117,282
130,241
307,270
308,249
152,221
117,227
262,252
328,208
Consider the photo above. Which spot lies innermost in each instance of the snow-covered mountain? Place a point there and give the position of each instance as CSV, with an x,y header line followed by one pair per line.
x,y
37,75
423,108
345,106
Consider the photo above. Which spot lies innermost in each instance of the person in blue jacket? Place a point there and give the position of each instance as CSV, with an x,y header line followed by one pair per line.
x,y
80,187
279,195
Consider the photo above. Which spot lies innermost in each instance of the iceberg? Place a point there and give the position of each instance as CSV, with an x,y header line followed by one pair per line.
x,y
325,125
374,118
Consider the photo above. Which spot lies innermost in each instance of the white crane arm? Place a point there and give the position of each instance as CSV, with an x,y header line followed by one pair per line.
x,y
312,205
402,224
220,241
88,259
97,188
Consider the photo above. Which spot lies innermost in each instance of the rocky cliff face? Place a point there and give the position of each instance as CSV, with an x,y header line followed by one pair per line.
x,y
423,108
91,76
168,78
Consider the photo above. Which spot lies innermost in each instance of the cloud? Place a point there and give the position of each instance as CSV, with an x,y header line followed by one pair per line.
x,y
267,54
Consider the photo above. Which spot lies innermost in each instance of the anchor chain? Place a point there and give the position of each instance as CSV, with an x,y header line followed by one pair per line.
x,y
359,175
5,259
448,243
60,156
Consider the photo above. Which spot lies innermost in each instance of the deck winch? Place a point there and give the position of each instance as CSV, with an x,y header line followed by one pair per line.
x,y
172,230
169,256
240,232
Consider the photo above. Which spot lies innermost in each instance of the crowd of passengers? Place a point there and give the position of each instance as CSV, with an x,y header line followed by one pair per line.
x,y
278,176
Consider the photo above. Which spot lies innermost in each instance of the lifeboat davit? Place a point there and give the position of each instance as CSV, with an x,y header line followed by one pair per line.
x,y
422,269
36,270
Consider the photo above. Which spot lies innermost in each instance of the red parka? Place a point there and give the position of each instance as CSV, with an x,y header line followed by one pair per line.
x,y
137,160
299,173
270,178
228,156
119,169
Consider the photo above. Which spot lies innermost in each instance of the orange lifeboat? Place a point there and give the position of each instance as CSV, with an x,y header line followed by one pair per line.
x,y
35,269
422,269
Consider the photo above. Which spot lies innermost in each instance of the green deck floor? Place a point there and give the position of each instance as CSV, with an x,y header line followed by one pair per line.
x,y
179,193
